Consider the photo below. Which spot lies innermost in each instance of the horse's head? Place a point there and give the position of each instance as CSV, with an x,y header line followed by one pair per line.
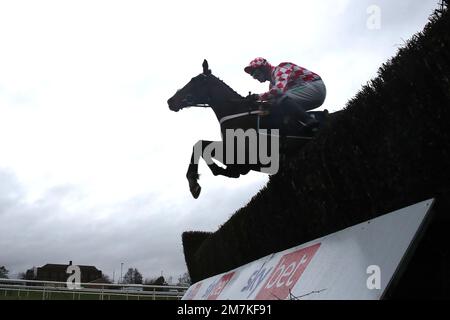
x,y
196,93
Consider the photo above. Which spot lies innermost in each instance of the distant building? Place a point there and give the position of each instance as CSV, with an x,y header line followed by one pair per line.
x,y
58,272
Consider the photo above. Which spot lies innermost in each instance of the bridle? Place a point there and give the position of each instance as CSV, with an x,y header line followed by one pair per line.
x,y
190,102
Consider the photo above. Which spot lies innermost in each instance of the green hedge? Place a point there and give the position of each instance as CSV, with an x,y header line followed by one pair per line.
x,y
389,148
191,242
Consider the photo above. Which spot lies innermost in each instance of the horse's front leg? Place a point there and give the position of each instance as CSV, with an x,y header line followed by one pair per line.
x,y
216,150
208,150
192,172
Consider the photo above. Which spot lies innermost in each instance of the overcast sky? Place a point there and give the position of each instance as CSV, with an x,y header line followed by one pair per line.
x,y
92,162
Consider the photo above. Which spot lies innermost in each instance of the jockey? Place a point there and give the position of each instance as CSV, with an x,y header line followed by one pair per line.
x,y
292,88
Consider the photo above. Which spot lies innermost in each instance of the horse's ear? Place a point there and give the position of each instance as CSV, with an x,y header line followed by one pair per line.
x,y
206,70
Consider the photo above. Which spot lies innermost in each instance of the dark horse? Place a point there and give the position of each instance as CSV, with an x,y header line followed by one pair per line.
x,y
237,113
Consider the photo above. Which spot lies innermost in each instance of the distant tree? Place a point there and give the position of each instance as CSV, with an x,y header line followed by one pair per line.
x,y
105,279
4,272
22,276
133,276
184,280
158,281
30,274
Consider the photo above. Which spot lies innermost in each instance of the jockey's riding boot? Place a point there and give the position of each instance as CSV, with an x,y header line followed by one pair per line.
x,y
299,113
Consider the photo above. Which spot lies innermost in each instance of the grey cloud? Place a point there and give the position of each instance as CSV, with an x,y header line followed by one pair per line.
x,y
143,232
10,191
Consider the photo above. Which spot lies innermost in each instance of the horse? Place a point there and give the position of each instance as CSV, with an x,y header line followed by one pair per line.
x,y
240,116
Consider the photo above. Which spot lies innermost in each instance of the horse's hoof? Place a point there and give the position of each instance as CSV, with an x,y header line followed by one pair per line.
x,y
195,191
195,188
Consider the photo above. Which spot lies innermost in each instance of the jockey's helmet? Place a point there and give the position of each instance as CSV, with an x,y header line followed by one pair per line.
x,y
255,64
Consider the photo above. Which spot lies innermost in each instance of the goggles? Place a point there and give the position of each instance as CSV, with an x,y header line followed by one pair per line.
x,y
257,73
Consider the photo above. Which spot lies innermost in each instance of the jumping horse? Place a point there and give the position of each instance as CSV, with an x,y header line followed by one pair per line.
x,y
236,112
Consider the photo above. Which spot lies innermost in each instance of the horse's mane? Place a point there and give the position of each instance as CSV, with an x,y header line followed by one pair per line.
x,y
227,86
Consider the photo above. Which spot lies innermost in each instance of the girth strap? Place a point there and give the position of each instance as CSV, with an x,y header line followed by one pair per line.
x,y
239,115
